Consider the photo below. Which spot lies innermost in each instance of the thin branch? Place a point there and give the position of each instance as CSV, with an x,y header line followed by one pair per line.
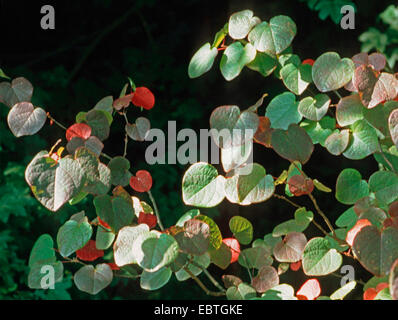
x,y
209,276
337,94
287,200
320,212
385,158
247,266
56,122
202,286
155,207
341,277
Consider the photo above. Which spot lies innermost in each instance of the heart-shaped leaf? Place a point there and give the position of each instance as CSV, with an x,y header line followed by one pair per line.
x,y
203,261
264,132
26,120
319,258
364,141
349,110
263,63
89,252
310,290
143,98
385,186
73,236
154,250
120,174
215,233
20,90
233,247
240,24
235,57
249,185
373,87
255,258
293,144
202,186
330,72
43,251
122,249
234,157
93,280
80,130
242,292
138,130
232,126
350,187
337,142
376,250
142,181
54,183
283,111
194,238
291,248
202,61
266,279
296,78
242,229
314,108
155,280
275,36
301,221
99,123
104,238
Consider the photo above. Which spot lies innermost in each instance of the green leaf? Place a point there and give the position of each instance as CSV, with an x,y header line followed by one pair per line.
x,y
330,72
293,144
117,212
282,111
337,142
263,63
235,128
43,251
242,229
155,280
320,186
105,104
202,61
279,292
363,143
154,250
73,236
221,257
319,131
40,274
385,186
349,110
314,108
376,250
215,233
296,78
340,293
104,239
240,24
102,185
249,185
120,174
235,157
93,280
99,123
255,258
122,248
202,260
52,183
26,120
350,187
275,36
291,248
319,258
202,186
302,219
20,90
194,238
242,292
347,219
235,57
378,117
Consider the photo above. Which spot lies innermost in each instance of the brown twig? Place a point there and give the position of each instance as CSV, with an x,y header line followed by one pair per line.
x,y
202,286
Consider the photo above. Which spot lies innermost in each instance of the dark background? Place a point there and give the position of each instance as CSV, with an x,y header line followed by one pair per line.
x,y
90,54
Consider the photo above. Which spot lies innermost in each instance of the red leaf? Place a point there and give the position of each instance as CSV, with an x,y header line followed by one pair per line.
x,y
381,286
144,98
369,294
80,130
309,61
142,181
295,266
89,252
393,208
264,132
113,266
103,223
355,230
310,290
233,244
299,186
148,218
